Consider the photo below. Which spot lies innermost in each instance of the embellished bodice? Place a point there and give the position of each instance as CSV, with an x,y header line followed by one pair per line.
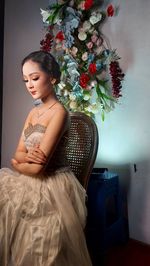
x,y
33,135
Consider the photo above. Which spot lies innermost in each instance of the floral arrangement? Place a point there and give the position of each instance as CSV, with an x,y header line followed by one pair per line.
x,y
91,79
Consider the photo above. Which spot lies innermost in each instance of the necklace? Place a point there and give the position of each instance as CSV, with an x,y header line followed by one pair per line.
x,y
39,115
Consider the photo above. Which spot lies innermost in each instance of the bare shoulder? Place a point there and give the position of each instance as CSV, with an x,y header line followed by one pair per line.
x,y
60,111
31,112
60,115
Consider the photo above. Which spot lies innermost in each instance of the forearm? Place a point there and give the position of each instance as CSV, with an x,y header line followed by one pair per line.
x,y
20,156
28,168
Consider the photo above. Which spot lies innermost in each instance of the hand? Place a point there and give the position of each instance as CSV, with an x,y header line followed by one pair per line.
x,y
36,155
15,164
14,161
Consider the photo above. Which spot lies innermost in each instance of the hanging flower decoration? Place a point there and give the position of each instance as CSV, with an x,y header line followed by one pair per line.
x,y
91,79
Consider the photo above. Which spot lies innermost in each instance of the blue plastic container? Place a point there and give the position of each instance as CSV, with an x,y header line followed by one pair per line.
x,y
105,223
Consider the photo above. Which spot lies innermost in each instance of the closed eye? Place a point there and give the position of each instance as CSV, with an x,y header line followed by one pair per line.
x,y
25,80
35,78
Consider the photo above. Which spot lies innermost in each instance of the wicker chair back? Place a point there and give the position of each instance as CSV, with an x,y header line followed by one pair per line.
x,y
82,146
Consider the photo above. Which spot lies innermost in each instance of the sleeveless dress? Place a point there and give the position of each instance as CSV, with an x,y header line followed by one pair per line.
x,y
42,218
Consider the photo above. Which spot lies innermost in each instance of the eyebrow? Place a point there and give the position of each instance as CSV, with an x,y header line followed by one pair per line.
x,y
32,73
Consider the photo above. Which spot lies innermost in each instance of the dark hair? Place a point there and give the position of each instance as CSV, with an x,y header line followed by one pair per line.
x,y
46,62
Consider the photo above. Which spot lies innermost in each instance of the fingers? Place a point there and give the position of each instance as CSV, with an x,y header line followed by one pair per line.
x,y
13,161
39,153
36,161
32,159
35,155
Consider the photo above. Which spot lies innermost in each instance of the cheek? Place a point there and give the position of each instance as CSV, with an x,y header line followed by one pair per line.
x,y
26,85
46,85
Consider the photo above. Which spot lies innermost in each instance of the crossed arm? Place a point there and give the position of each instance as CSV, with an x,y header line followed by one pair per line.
x,y
29,162
33,162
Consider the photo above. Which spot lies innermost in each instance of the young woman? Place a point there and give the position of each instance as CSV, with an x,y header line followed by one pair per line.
x,y
42,204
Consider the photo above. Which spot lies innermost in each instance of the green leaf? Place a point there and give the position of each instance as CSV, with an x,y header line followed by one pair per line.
x,y
56,9
103,83
103,95
108,97
98,91
103,115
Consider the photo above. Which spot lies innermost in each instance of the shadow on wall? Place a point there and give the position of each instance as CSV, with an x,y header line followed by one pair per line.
x,y
139,202
124,173
117,30
134,180
126,51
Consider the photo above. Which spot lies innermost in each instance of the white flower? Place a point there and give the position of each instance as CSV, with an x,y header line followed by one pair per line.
x,y
96,17
72,97
65,93
73,105
45,14
61,85
91,30
93,108
86,97
93,83
82,36
85,56
59,21
86,26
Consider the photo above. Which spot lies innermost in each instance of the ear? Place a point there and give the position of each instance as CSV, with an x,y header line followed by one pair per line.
x,y
53,81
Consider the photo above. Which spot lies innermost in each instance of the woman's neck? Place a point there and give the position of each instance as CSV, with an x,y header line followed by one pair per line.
x,y
49,99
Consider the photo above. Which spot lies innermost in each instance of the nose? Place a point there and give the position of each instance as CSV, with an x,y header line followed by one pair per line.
x,y
30,84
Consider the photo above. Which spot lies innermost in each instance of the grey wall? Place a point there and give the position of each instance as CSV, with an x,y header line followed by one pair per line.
x,y
1,62
23,32
126,130
124,136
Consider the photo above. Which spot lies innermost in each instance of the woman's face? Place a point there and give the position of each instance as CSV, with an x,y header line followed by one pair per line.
x,y
38,82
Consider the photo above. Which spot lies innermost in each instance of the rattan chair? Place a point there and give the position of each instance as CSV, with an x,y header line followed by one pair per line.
x,y
82,146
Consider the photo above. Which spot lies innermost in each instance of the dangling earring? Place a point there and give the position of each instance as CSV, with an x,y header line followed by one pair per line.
x,y
53,81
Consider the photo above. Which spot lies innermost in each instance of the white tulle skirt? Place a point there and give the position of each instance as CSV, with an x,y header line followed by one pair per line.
x,y
42,220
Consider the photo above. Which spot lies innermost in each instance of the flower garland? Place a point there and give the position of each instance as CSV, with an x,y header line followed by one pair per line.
x,y
91,79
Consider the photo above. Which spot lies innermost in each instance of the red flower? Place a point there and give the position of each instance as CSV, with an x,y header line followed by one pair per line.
x,y
47,43
92,68
60,36
84,79
88,4
110,11
116,77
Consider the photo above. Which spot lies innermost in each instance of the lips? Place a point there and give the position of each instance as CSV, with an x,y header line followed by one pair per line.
x,y
33,92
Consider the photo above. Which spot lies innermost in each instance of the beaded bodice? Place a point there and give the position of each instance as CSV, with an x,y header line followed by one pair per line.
x,y
33,135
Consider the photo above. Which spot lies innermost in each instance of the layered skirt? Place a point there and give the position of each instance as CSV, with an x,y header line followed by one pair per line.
x,y
42,220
